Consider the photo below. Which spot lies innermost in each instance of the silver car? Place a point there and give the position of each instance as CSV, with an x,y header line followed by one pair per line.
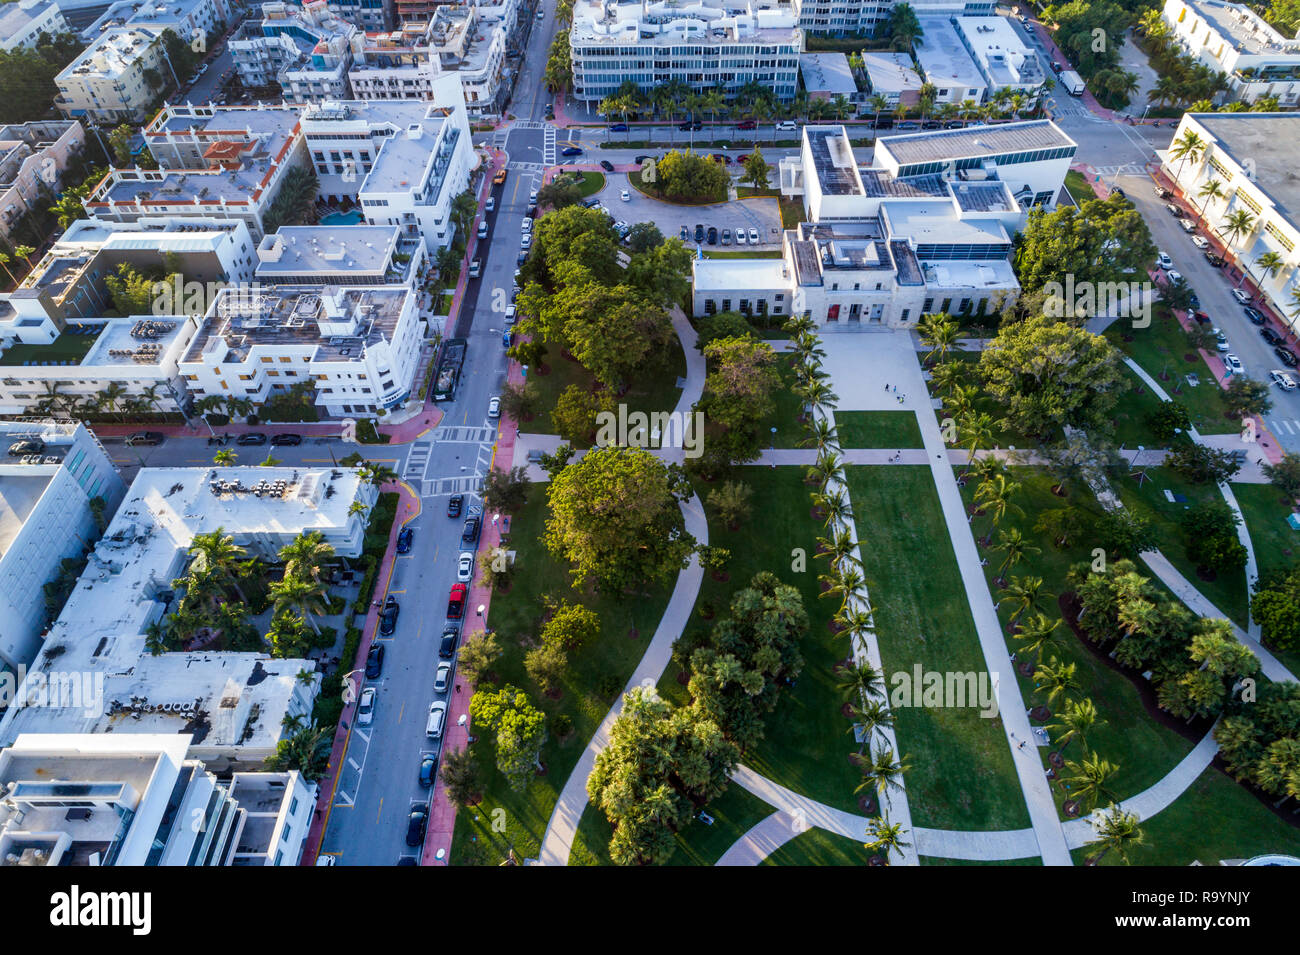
x,y
442,679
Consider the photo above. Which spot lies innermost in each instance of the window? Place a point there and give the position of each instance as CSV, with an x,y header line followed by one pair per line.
x,y
266,359
285,359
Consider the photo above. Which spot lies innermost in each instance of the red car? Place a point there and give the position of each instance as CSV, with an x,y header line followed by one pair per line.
x,y
456,602
747,124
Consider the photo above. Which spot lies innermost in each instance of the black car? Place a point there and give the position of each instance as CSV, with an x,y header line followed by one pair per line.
x,y
1213,259
428,770
415,826
688,127
1270,336
606,165
447,649
1286,356
404,540
455,504
470,534
375,661
640,159
20,448
954,124
1117,191
1254,314
1193,300
388,616
932,124
286,440
699,232
713,235
253,437
523,257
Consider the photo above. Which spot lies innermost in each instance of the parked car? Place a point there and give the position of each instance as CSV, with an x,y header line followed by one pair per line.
x,y
954,124
722,159
437,717
726,237
494,407
465,567
1221,339
747,124
375,661
787,126
932,124
1233,364
252,437
286,440
23,448
1270,336
1175,209
442,678
470,533
1213,259
428,770
1174,276
1255,315
1193,299
456,601
1164,261
455,504
447,648
691,126
482,229
713,235
366,707
1285,356
1202,318
491,204
388,616
1282,379
1201,242
571,151
475,268
1187,224
1161,192
404,540
525,239
606,165
699,232
145,437
625,196
1241,296
753,236
415,824
686,233
740,235
618,128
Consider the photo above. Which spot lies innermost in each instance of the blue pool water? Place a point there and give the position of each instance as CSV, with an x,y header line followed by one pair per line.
x,y
342,218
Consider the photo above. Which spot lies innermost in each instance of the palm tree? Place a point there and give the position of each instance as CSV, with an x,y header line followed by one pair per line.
x,y
1054,678
24,252
1119,831
1210,190
374,473
994,497
940,332
885,837
878,105
1037,634
4,264
1187,146
300,594
855,623
883,772
110,397
843,582
861,681
839,547
870,717
1015,546
1237,224
216,554
834,504
1270,263
225,458
306,555
977,431
358,507
821,434
1079,718
1089,781
826,469
1023,593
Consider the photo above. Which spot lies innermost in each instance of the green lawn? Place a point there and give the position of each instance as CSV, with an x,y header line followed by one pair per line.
x,y
1132,410
66,348
878,429
1078,187
734,813
785,416
1228,590
933,860
961,776
1143,749
791,213
1275,542
597,674
588,183
821,848
655,389
1162,351
1215,819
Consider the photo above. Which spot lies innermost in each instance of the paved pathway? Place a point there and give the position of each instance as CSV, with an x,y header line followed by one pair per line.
x,y
761,840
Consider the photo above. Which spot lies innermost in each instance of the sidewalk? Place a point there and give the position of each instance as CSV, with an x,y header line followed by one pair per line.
x,y
407,509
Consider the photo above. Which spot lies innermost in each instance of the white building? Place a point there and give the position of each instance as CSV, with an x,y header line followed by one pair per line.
x,y
140,800
45,517
1233,39
94,674
327,255
23,23
870,17
33,157
947,63
307,49
188,19
112,81
927,228
718,43
356,346
893,76
1252,156
367,15
827,75
1001,56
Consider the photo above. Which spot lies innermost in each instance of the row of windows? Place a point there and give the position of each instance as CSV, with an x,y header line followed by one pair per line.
x,y
975,162
960,251
664,52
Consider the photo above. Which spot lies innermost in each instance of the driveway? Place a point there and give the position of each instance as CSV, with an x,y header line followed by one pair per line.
x,y
761,214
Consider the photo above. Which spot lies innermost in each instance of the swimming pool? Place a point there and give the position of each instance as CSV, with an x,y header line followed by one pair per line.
x,y
353,217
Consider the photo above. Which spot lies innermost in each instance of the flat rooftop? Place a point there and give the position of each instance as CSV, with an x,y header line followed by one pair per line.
x,y
974,142
718,22
833,161
935,222
890,72
999,50
19,495
942,55
731,274
141,340
973,275
1269,141
828,74
1247,31
359,249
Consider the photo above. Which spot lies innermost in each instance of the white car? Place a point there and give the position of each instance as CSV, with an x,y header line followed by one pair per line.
x,y
527,224
437,716
483,229
740,237
625,196
465,567
1187,224
532,197
1222,340
1282,379
753,237
366,708
494,407
1200,241
442,678
1164,261
1233,363
1240,296
510,320
1174,276
525,240
490,204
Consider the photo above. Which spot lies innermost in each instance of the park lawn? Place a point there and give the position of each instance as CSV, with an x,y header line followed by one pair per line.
x,y
961,774
1004,435
597,674
1275,542
935,860
734,813
1228,590
68,347
590,183
1216,818
807,744
785,415
1162,350
651,190
1132,410
654,389
878,429
821,848
1144,750
791,213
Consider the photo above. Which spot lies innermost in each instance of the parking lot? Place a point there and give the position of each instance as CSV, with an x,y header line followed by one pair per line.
x,y
761,214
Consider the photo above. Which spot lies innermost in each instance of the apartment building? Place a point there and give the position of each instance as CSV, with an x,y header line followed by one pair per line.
x,y
231,707
307,49
893,76
1003,60
189,19
367,15
114,79
869,17
1233,39
327,255
827,76
1252,156
33,157
45,518
725,45
927,227
23,23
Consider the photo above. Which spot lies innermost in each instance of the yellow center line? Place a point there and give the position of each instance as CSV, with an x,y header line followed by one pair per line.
x,y
380,813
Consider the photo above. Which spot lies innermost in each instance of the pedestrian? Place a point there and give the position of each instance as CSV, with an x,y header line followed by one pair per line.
x,y
886,386
1022,744
895,389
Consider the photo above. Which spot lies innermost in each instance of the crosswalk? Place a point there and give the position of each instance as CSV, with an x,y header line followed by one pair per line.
x,y
464,435
1127,169
417,460
548,146
1284,425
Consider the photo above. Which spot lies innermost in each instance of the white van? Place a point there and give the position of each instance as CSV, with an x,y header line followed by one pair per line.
x,y
787,126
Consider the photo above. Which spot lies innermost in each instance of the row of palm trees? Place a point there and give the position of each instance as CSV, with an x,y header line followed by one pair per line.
x,y
861,682
1236,225
112,399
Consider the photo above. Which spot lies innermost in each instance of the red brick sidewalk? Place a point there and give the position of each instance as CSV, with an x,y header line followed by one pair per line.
x,y
408,508
442,814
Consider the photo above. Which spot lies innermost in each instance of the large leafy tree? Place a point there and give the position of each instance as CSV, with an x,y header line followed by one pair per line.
x,y
738,395
520,731
1098,242
613,331
615,518
1049,374
662,273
